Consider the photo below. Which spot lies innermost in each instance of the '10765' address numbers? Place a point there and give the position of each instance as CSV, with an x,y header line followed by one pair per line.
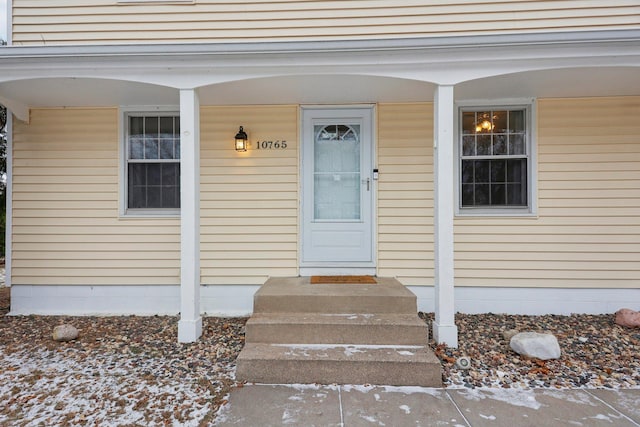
x,y
271,145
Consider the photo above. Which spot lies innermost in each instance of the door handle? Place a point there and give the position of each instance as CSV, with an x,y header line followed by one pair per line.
x,y
368,182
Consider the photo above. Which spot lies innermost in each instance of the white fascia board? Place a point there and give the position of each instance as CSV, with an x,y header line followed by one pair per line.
x,y
209,49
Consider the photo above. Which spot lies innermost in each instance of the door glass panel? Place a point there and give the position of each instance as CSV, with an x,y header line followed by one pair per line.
x,y
336,172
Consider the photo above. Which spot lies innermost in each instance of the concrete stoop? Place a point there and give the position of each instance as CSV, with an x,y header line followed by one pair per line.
x,y
316,328
339,364
337,333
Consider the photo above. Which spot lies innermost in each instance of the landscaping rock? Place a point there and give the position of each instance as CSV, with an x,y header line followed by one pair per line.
x,y
627,317
463,362
536,345
65,332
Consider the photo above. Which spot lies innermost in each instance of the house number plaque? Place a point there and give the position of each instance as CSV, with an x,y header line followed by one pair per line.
x,y
271,145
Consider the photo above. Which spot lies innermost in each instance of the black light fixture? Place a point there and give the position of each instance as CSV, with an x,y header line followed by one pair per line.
x,y
241,140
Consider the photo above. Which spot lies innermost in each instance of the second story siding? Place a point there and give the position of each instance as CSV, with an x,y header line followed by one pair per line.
x,y
59,22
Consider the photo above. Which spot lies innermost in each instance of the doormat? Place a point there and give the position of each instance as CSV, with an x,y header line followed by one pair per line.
x,y
343,279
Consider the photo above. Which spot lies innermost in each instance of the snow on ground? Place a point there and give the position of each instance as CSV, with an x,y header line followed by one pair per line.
x,y
121,371
56,388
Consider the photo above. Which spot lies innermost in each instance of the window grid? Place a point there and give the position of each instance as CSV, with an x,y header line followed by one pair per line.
x,y
494,158
153,162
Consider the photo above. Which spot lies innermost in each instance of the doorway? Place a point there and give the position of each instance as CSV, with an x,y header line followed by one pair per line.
x,y
337,189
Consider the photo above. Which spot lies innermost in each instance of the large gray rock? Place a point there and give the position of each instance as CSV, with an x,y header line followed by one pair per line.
x,y
65,332
536,345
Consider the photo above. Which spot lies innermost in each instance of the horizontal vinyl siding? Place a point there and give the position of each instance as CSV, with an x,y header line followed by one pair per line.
x,y
405,192
106,21
249,201
66,229
588,230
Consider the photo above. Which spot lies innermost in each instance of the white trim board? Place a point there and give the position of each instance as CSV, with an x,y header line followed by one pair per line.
x,y
446,44
237,300
533,301
142,300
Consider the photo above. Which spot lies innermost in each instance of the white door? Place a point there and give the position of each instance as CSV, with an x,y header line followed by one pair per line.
x,y
337,188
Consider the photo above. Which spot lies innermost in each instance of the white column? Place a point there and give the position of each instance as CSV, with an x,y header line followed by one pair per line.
x,y
444,328
9,27
190,324
9,202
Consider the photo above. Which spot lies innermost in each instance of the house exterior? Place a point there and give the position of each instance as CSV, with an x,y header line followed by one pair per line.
x,y
486,154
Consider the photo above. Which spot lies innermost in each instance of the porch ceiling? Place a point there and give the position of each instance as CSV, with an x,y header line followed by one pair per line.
x,y
83,92
324,89
317,89
559,83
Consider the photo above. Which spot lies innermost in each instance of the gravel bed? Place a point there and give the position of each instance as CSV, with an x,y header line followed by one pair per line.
x,y
596,353
131,371
125,371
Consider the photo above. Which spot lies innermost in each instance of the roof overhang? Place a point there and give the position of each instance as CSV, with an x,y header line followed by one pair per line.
x,y
546,64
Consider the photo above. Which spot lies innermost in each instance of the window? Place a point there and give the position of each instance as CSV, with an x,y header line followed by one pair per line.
x,y
337,190
495,159
152,171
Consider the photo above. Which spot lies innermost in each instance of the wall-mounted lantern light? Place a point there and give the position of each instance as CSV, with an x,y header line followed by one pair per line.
x,y
241,140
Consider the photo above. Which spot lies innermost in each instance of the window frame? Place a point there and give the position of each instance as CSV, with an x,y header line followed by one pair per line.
x,y
124,115
529,106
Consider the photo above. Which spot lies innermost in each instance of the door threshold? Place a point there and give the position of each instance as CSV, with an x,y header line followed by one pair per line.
x,y
337,271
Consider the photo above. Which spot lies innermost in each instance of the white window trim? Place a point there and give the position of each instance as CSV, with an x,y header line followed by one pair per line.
x,y
532,170
123,127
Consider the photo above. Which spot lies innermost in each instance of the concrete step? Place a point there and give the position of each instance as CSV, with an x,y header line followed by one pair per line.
x,y
298,295
339,364
319,328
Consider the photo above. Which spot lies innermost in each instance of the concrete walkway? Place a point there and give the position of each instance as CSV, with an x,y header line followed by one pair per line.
x,y
347,406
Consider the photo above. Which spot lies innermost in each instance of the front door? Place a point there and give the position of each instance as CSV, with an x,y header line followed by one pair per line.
x,y
337,188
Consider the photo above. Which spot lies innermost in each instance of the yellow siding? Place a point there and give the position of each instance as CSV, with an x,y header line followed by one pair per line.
x,y
249,201
65,207
405,192
587,233
49,22
66,228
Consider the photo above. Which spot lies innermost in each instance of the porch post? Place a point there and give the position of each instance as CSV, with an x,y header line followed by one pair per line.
x,y
190,324
9,201
444,328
